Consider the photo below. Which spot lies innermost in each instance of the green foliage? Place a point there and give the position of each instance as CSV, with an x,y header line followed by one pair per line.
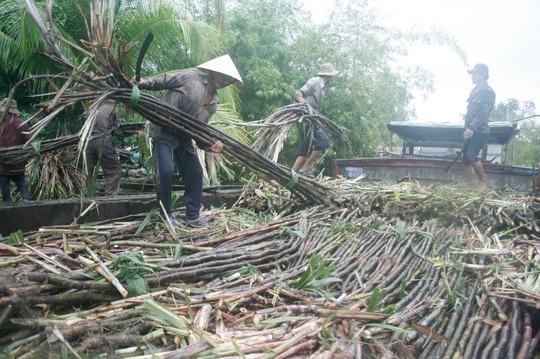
x,y
130,267
527,145
316,276
14,239
178,42
246,271
375,300
149,217
167,319
258,35
287,231
524,149
177,252
403,290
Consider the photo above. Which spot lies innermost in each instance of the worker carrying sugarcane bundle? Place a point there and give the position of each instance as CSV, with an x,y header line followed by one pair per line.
x,y
13,134
195,93
311,146
101,148
475,136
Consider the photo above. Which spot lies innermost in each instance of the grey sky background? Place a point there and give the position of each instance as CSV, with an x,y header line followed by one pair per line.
x,y
503,34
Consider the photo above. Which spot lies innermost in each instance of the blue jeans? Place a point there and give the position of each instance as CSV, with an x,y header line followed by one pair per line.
x,y
190,172
5,182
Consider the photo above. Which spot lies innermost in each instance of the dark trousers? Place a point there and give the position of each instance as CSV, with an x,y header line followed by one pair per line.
x,y
112,170
307,142
190,171
473,146
5,182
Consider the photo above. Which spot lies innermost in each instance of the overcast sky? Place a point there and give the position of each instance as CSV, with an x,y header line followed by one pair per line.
x,y
503,34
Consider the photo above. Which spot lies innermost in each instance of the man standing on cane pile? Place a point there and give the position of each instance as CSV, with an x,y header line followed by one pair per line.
x,y
101,147
13,134
480,104
194,93
312,93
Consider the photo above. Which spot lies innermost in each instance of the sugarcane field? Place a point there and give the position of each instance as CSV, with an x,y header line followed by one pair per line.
x,y
269,179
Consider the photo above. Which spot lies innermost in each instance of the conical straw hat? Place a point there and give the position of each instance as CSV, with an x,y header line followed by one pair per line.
x,y
223,65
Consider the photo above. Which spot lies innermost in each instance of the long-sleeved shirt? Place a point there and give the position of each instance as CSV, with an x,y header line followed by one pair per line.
x,y
187,91
106,122
480,104
12,135
313,92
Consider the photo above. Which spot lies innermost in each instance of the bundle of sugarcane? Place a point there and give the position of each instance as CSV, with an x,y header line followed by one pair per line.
x,y
319,281
54,175
23,153
100,72
273,131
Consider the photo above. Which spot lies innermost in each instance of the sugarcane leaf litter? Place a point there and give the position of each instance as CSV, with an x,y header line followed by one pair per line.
x,y
379,276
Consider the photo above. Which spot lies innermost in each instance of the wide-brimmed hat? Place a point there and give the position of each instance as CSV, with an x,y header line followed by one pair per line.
x,y
225,66
12,106
327,70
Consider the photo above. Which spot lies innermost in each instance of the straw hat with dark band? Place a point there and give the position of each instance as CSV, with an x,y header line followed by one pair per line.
x,y
327,70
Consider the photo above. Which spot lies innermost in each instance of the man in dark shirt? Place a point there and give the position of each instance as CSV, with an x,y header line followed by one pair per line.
x,y
195,93
101,147
312,93
480,104
13,134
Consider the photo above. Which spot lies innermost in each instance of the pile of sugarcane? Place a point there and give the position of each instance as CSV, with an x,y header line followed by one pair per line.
x,y
379,273
272,132
325,282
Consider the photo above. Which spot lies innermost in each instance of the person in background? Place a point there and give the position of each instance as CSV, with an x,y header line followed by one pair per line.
x,y
101,148
193,92
475,136
13,134
312,93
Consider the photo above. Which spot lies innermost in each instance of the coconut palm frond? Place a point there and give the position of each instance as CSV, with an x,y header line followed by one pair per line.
x,y
231,96
228,121
177,43
194,35
216,165
20,38
22,45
